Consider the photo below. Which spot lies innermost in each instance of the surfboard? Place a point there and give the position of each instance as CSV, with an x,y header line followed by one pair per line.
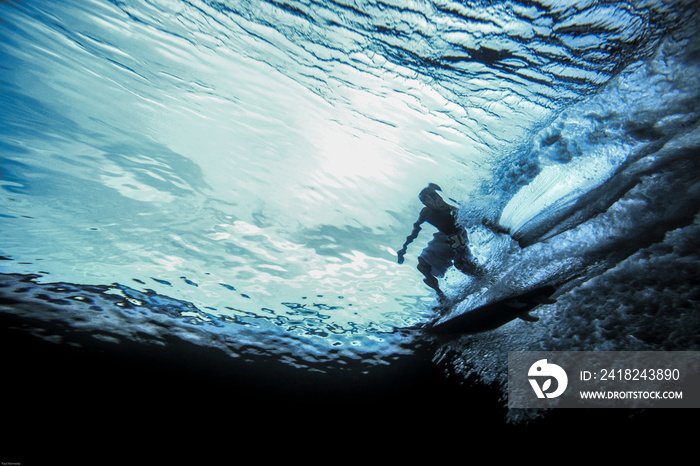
x,y
495,314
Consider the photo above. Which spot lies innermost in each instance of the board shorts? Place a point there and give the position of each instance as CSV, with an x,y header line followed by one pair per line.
x,y
442,251
439,254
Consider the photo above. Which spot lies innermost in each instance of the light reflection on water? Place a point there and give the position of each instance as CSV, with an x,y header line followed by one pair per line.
x,y
260,162
179,165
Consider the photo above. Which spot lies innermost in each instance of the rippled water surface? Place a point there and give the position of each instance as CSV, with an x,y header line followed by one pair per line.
x,y
240,174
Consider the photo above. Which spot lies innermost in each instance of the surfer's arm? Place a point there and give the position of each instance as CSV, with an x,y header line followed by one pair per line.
x,y
411,237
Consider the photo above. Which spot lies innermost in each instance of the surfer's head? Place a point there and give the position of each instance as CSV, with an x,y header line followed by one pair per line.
x,y
429,196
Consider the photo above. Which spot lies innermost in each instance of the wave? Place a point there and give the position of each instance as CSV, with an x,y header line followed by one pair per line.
x,y
239,174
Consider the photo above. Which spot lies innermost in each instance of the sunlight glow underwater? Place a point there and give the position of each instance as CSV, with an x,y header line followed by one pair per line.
x,y
241,175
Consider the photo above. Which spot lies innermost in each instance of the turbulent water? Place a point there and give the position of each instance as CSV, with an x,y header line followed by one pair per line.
x,y
240,174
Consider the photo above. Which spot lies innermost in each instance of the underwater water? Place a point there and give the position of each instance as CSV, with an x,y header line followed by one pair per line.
x,y
235,178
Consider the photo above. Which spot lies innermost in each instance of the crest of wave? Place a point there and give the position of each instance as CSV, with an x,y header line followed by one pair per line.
x,y
635,255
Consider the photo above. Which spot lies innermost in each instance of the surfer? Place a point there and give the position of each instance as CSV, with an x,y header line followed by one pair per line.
x,y
449,244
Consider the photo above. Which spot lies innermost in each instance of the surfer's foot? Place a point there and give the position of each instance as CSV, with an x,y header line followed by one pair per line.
x,y
444,304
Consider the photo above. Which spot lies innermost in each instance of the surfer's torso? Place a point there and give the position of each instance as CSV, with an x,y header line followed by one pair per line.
x,y
442,218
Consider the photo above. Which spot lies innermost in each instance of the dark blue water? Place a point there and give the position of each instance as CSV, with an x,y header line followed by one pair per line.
x,y
206,198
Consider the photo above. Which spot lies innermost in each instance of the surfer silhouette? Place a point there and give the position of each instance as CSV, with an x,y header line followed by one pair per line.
x,y
449,244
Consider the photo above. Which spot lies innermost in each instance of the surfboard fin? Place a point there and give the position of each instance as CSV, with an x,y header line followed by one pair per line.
x,y
529,318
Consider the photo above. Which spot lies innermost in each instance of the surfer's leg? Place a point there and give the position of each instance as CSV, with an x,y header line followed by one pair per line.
x,y
465,263
430,280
